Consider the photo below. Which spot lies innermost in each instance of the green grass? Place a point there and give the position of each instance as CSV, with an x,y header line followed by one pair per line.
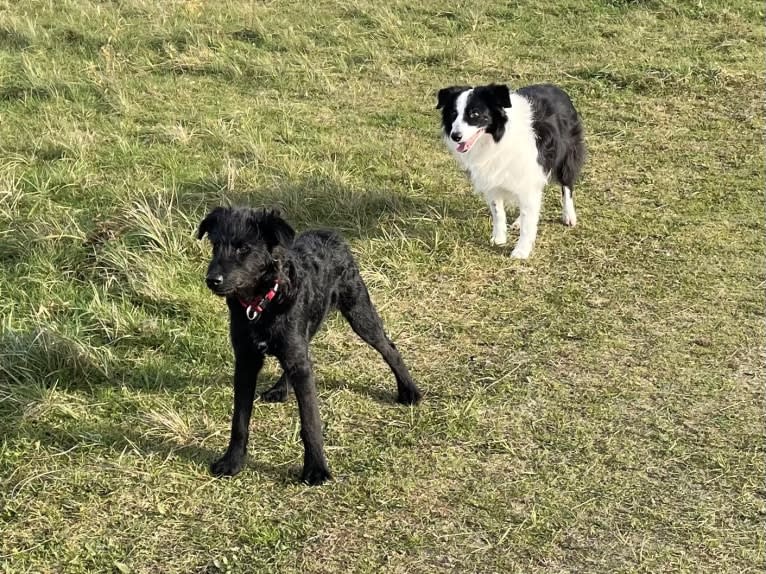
x,y
595,409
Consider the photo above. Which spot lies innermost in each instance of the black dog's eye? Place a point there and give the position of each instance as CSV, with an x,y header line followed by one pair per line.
x,y
242,249
474,115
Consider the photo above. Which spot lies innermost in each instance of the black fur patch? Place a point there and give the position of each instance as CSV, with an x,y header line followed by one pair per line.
x,y
559,132
485,108
446,103
446,96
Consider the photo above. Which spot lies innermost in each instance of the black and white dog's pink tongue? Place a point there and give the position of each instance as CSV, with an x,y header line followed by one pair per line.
x,y
464,146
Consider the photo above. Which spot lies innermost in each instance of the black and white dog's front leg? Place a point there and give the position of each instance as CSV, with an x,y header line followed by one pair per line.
x,y
529,216
246,368
299,374
499,224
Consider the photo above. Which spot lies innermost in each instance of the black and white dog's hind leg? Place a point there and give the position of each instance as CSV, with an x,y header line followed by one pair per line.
x,y
567,174
568,215
568,170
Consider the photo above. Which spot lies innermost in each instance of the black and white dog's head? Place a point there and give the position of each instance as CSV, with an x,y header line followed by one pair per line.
x,y
468,113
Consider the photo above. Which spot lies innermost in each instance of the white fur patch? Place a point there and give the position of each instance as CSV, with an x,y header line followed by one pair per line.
x,y
499,229
568,215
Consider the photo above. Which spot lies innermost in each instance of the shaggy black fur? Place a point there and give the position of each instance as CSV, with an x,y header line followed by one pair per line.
x,y
253,249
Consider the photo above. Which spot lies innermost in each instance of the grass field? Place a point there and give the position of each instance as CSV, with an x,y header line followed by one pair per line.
x,y
597,408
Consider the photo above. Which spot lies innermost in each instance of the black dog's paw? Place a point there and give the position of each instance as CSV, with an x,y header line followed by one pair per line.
x,y
315,475
409,395
276,394
227,465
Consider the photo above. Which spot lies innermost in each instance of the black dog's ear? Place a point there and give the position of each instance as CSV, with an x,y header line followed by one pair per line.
x,y
501,94
447,95
208,224
274,230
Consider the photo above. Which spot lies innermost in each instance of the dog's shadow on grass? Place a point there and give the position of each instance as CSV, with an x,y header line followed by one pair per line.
x,y
107,440
201,456
45,374
384,397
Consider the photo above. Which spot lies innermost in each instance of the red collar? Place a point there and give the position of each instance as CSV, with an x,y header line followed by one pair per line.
x,y
254,309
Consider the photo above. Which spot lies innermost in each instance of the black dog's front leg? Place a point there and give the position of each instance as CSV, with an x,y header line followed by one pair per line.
x,y
246,368
299,375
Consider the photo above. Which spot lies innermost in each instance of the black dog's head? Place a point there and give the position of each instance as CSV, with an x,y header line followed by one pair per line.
x,y
468,113
249,248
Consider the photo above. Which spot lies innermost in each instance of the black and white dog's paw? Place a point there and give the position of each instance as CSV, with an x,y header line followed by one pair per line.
x,y
498,239
521,252
568,215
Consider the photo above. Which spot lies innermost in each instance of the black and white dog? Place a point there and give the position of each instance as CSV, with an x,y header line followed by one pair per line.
x,y
511,143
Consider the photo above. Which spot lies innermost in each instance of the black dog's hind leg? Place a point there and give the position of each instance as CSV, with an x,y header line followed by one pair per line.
x,y
299,375
277,393
246,368
356,307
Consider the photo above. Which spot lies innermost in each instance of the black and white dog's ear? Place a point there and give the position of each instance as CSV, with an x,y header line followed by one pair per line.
x,y
208,224
273,229
501,94
446,96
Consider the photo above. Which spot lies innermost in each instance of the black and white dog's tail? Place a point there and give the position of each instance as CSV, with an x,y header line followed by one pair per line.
x,y
574,158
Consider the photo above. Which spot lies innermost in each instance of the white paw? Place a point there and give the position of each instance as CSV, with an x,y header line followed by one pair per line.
x,y
569,219
498,240
520,253
516,223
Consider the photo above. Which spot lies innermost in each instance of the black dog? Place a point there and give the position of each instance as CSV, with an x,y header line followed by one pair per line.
x,y
279,289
